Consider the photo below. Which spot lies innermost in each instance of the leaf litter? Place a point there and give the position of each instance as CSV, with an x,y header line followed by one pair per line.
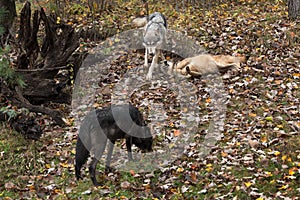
x,y
258,155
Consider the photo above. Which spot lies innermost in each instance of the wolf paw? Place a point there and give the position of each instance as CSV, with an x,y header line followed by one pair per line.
x,y
149,76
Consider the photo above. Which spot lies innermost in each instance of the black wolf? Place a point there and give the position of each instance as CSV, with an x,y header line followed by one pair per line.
x,y
112,123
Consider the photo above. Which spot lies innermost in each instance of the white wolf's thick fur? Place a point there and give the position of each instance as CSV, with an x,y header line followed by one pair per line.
x,y
153,39
207,64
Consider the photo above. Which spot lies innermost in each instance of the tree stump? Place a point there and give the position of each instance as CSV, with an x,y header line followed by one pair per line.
x,y
45,48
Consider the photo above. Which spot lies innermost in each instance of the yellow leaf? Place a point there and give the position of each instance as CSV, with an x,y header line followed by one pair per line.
x,y
57,191
209,167
269,174
283,158
252,114
174,190
180,169
292,171
269,118
264,139
280,126
283,187
276,153
296,74
248,184
224,154
260,198
64,165
31,188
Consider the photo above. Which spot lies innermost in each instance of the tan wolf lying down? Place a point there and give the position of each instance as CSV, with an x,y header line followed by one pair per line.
x,y
207,64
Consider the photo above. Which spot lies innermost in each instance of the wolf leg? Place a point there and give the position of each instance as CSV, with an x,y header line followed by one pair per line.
x,y
224,68
97,150
109,154
128,147
92,170
81,157
146,57
153,64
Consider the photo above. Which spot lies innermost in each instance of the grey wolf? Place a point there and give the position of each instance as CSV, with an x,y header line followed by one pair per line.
x,y
100,125
206,64
153,39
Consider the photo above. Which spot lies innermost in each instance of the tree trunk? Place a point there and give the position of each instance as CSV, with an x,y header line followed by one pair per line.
x,y
294,9
7,19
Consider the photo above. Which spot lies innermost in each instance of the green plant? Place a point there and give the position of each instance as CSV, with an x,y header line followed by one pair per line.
x,y
9,111
7,73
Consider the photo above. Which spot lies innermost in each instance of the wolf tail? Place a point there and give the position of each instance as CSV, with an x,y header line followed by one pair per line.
x,y
81,157
139,22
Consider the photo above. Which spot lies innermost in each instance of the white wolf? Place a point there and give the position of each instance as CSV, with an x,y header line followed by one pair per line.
x,y
154,37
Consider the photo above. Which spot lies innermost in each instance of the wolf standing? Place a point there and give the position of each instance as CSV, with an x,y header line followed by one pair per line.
x,y
112,123
154,39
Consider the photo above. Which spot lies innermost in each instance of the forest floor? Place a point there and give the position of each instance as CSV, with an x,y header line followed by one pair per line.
x,y
257,152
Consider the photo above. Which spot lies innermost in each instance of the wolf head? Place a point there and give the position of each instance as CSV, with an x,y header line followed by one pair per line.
x,y
155,31
144,142
153,37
